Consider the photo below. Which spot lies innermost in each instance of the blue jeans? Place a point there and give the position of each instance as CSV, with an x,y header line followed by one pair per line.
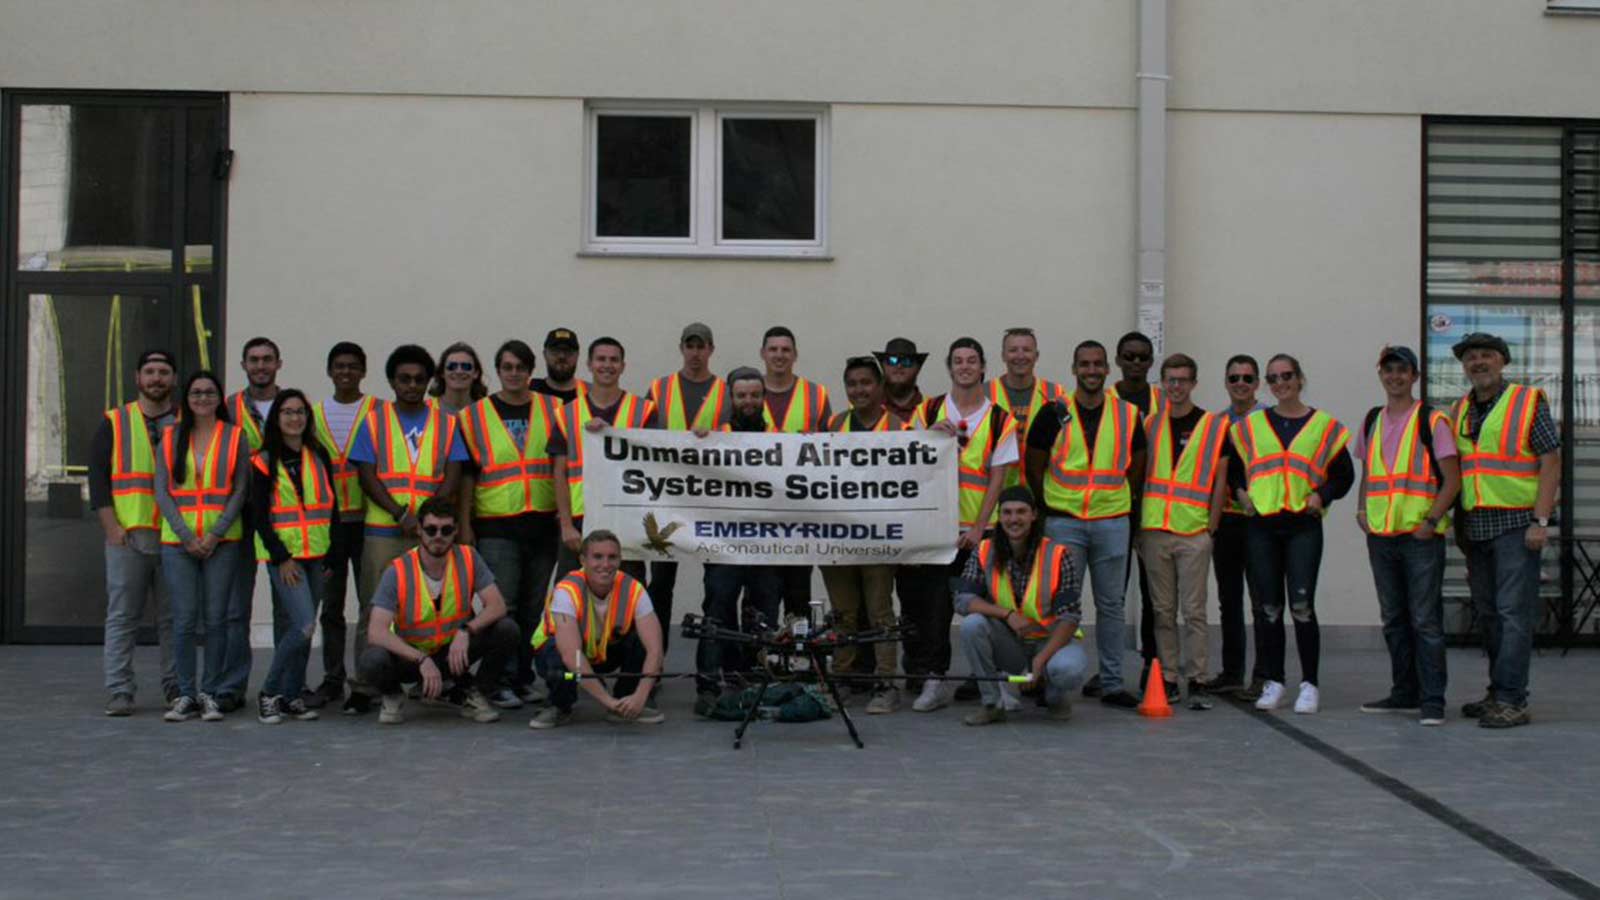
x,y
195,588
993,649
1409,575
1285,555
297,605
522,573
625,654
1099,547
236,668
133,573
762,590
1503,576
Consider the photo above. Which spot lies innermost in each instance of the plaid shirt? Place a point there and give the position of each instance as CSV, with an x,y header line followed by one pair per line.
x,y
1545,437
1064,605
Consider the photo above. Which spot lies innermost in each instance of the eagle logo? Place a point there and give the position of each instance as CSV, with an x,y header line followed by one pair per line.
x,y
658,538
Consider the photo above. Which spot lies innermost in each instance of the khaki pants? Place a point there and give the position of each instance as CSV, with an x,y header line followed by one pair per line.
x,y
852,591
1179,567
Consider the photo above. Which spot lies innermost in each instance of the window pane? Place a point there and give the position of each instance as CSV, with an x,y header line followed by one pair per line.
x,y
204,139
96,188
642,176
769,179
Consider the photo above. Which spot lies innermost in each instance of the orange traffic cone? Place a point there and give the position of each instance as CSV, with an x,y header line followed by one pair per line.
x,y
1155,703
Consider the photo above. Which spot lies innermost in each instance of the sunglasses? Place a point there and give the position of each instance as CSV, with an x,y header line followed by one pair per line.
x,y
895,360
1241,378
1137,357
438,530
460,366
1285,378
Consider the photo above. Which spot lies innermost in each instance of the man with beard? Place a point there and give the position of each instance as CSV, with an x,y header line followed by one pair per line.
x,y
122,468
560,366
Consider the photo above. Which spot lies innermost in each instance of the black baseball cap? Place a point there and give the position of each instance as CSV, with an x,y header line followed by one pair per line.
x,y
156,356
1482,340
1399,354
561,339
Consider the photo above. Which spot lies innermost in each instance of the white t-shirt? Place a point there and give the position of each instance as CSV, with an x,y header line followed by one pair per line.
x,y
341,420
1005,450
561,605
262,408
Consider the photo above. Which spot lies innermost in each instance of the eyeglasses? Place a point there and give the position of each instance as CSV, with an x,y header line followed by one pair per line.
x,y
1284,378
439,530
204,394
292,412
1178,380
1241,378
462,365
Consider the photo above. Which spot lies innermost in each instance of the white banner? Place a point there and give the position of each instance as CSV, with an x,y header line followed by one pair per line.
x,y
840,499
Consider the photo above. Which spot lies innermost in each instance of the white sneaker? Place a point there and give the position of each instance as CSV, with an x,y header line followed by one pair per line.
x,y
393,710
936,694
1010,697
1271,695
1307,701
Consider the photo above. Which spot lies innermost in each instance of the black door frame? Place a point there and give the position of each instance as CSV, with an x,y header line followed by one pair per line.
x,y
16,285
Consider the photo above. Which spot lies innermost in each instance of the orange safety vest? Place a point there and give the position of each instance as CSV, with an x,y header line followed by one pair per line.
x,y
841,422
1177,493
667,395
408,483
632,412
1092,488
620,608
805,408
1499,470
426,622
203,496
1398,501
512,480
244,416
1157,404
972,465
1282,478
1034,603
1043,392
302,519
133,469
346,477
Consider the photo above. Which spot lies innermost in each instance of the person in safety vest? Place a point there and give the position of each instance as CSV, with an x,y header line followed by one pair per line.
x,y
690,399
1018,602
437,609
796,406
202,477
1135,355
1510,475
1019,391
508,495
1185,489
1412,476
599,405
986,442
863,595
1241,380
406,452
599,620
122,491
293,510
1086,457
560,366
1288,464
736,596
247,409
335,421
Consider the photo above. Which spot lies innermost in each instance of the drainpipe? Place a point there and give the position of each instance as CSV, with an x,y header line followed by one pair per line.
x,y
1152,77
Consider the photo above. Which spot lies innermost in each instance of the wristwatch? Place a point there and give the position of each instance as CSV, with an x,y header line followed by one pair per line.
x,y
1433,521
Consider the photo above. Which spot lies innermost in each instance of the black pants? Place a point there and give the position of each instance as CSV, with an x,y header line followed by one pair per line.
x,y
522,562
735,596
1285,553
663,579
344,562
927,603
492,650
623,654
796,590
1228,559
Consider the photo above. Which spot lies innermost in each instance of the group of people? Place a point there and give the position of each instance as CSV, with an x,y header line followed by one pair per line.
x,y
456,508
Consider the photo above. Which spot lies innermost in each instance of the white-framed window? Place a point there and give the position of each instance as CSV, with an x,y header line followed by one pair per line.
x,y
676,179
1591,7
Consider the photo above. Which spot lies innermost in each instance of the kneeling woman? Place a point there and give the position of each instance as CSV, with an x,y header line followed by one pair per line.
x,y
1288,463
292,511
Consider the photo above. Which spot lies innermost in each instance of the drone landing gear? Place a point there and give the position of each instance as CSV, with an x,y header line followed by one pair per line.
x,y
823,680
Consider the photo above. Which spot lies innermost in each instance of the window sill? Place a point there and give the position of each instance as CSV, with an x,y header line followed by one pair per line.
x,y
702,254
1575,9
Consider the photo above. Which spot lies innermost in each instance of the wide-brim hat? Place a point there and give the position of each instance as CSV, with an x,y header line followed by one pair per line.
x,y
900,347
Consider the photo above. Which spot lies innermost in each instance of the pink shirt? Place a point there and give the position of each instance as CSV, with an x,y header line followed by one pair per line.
x,y
1444,441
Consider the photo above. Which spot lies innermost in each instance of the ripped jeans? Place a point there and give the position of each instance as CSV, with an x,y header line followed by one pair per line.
x,y
1282,556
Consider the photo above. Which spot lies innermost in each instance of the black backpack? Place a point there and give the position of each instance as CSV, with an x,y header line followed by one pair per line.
x,y
1424,434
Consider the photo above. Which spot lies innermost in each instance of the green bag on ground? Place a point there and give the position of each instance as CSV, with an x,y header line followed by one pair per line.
x,y
791,703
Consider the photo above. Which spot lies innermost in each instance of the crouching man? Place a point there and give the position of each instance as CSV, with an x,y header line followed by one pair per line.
x,y
423,622
599,620
1019,613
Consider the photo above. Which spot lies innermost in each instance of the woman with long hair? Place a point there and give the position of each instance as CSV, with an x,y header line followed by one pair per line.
x,y
458,381
293,510
1288,465
200,488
